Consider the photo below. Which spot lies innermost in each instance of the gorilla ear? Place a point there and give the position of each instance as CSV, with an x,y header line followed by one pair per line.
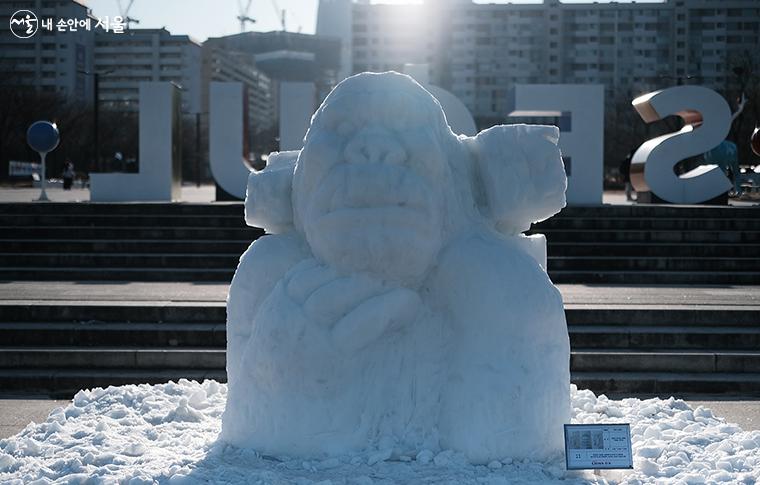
x,y
519,177
268,202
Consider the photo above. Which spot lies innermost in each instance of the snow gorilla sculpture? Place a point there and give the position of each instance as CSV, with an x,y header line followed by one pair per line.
x,y
395,307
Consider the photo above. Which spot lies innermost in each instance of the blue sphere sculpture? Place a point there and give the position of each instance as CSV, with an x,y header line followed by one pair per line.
x,y
43,136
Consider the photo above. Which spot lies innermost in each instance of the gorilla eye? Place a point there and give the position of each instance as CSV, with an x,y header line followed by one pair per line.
x,y
344,128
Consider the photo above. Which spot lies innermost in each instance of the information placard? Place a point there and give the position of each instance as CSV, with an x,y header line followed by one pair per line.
x,y
598,446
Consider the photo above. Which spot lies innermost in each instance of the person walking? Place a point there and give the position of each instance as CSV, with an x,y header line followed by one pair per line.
x,y
625,173
68,175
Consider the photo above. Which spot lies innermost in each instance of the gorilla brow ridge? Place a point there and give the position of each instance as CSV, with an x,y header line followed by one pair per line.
x,y
376,101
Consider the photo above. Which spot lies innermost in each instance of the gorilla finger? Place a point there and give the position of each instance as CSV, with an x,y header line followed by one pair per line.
x,y
373,318
334,300
304,282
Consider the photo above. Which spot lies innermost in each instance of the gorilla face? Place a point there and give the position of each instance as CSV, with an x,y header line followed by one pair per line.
x,y
367,184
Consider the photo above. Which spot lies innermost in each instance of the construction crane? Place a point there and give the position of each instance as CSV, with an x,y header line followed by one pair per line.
x,y
243,16
280,14
124,12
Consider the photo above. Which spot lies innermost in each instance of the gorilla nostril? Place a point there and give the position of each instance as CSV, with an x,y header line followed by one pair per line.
x,y
374,149
395,155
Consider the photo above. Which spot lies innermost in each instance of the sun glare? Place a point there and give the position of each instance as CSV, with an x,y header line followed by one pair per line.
x,y
398,2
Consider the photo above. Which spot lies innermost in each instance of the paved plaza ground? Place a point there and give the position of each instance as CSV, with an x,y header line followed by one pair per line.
x,y
207,193
190,193
574,295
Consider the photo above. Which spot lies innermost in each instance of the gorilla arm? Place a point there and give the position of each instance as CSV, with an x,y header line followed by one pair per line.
x,y
509,376
261,266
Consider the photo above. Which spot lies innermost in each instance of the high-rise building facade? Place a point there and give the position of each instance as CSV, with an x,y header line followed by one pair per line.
x,y
53,59
124,60
478,51
222,65
289,56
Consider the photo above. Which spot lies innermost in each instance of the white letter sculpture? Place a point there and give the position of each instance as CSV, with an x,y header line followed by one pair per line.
x,y
707,121
394,309
160,175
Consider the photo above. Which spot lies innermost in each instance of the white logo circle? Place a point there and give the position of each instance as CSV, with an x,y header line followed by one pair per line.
x,y
24,24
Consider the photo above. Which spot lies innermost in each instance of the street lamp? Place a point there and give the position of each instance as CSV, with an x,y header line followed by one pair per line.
x,y
95,113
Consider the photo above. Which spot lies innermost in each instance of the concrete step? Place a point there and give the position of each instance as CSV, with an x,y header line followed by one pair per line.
x,y
115,274
214,358
236,208
190,233
131,220
692,316
64,383
115,312
232,246
113,358
180,335
237,246
250,233
94,334
197,261
624,317
656,277
661,210
653,263
229,261
592,249
607,360
34,273
648,236
128,208
651,223
665,384
236,220
623,337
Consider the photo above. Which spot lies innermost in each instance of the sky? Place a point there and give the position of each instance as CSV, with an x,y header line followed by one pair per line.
x,y
213,18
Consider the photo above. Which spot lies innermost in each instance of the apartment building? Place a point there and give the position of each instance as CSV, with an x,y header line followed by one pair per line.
x,y
222,65
478,51
124,60
54,59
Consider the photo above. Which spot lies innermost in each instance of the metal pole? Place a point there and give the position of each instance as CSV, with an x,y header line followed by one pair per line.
x,y
197,149
96,134
43,195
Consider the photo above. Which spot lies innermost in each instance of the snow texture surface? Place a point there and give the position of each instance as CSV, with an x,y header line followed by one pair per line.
x,y
396,306
168,434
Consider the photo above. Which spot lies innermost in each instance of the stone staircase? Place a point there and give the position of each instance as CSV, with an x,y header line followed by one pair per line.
x,y
664,351
202,242
654,245
57,349
122,242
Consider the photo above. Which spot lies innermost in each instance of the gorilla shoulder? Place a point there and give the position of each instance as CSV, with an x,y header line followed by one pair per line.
x,y
265,262
483,272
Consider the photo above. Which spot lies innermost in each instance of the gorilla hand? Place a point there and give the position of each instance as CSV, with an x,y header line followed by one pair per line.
x,y
355,310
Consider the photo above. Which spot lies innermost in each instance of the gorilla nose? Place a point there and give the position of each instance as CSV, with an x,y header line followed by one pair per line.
x,y
374,147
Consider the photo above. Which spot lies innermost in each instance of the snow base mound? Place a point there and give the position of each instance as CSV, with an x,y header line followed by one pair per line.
x,y
167,433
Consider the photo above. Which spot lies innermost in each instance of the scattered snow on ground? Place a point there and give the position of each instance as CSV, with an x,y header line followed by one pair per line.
x,y
167,434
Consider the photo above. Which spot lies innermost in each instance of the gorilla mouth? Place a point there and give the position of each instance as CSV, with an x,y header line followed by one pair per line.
x,y
376,217
373,191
